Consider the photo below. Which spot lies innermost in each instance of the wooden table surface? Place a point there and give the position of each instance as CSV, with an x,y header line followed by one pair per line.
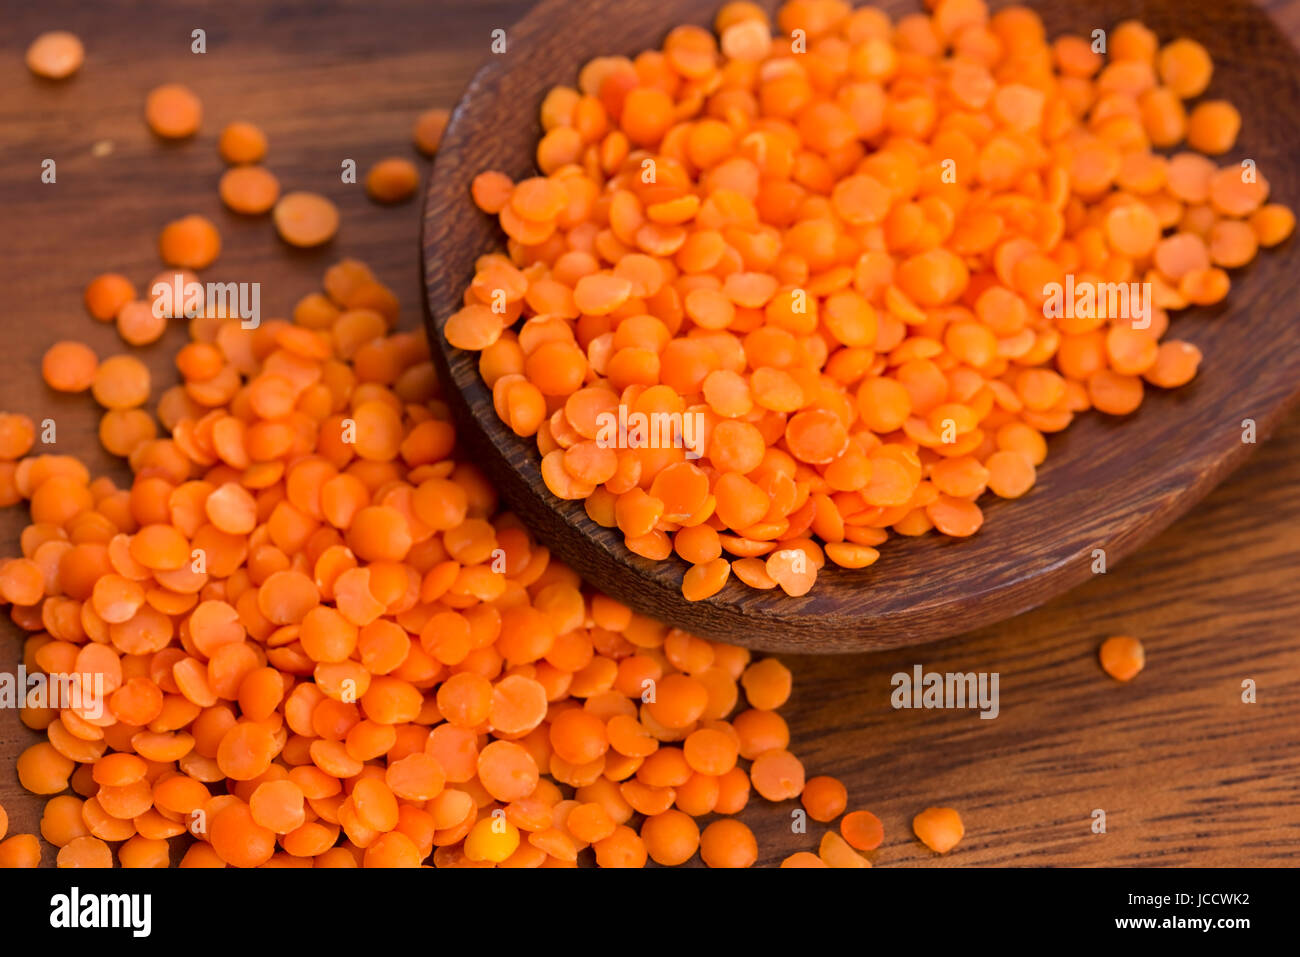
x,y
1185,772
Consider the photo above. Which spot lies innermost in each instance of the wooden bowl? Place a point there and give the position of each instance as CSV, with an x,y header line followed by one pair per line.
x,y
1107,484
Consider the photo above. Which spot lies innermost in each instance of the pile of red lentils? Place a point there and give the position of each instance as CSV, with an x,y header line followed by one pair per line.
x,y
835,247
318,651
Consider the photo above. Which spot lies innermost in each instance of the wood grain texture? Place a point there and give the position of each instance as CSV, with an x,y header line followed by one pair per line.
x,y
1186,773
1107,483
